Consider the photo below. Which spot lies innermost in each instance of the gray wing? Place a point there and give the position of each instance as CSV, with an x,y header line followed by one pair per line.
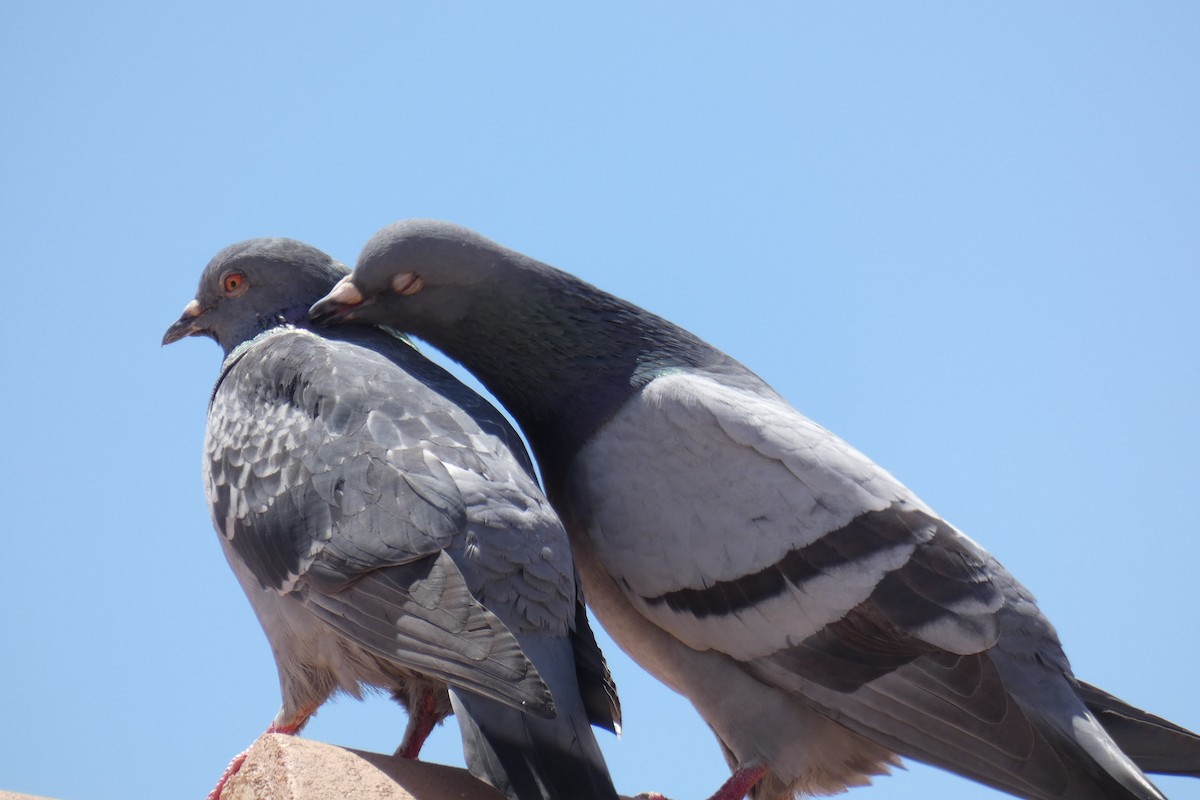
x,y
519,556
318,480
515,557
840,587
596,685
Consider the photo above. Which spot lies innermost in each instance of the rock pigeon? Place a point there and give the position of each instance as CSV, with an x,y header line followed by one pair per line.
x,y
386,526
820,617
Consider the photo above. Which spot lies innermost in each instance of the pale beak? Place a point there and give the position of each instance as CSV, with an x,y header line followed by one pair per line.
x,y
338,304
188,324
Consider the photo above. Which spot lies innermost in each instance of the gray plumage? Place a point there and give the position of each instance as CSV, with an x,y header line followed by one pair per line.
x,y
386,526
819,616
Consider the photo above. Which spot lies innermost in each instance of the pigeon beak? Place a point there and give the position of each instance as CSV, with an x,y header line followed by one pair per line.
x,y
188,324
339,304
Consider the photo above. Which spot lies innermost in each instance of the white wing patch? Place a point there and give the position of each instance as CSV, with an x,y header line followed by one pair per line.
x,y
751,479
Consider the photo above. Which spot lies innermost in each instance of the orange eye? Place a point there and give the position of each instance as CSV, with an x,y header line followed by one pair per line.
x,y
233,284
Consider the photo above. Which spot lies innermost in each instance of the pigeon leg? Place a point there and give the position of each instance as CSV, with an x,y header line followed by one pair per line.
x,y
424,715
741,781
289,728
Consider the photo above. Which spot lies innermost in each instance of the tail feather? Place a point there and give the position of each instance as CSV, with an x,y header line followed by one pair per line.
x,y
1153,743
596,685
528,757
1052,703
1025,734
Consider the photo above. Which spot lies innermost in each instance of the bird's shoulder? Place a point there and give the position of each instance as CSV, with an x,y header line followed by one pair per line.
x,y
323,459
378,391
714,454
741,525
327,459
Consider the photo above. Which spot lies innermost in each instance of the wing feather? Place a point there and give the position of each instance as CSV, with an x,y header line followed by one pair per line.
x,y
368,533
822,530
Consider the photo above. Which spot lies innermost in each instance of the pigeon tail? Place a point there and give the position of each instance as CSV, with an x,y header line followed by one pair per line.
x,y
529,758
1151,742
1056,710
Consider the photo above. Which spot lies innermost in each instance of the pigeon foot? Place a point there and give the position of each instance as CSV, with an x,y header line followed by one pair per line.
x,y
290,728
741,781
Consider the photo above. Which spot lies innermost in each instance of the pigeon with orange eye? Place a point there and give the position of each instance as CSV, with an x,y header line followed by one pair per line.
x,y
387,527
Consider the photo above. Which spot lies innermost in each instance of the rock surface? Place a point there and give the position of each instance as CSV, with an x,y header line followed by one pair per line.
x,y
292,768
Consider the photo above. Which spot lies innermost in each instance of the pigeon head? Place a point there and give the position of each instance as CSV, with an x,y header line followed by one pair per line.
x,y
558,353
255,285
423,271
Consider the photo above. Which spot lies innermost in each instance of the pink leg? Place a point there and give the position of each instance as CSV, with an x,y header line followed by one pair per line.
x,y
289,728
421,721
740,782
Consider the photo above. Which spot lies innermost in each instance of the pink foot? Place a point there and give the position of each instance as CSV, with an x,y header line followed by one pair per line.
x,y
741,781
229,772
287,729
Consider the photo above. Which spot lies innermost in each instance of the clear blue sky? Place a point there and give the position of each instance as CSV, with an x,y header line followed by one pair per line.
x,y
965,237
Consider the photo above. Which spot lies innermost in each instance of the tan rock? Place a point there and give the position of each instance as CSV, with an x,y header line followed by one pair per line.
x,y
292,768
281,767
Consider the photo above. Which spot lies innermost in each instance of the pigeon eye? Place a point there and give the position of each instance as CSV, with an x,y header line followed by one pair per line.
x,y
234,284
407,283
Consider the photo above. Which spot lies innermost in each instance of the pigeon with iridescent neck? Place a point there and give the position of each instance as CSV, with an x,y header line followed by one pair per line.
x,y
386,526
821,618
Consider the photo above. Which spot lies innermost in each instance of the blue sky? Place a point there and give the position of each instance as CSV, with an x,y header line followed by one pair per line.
x,y
962,236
